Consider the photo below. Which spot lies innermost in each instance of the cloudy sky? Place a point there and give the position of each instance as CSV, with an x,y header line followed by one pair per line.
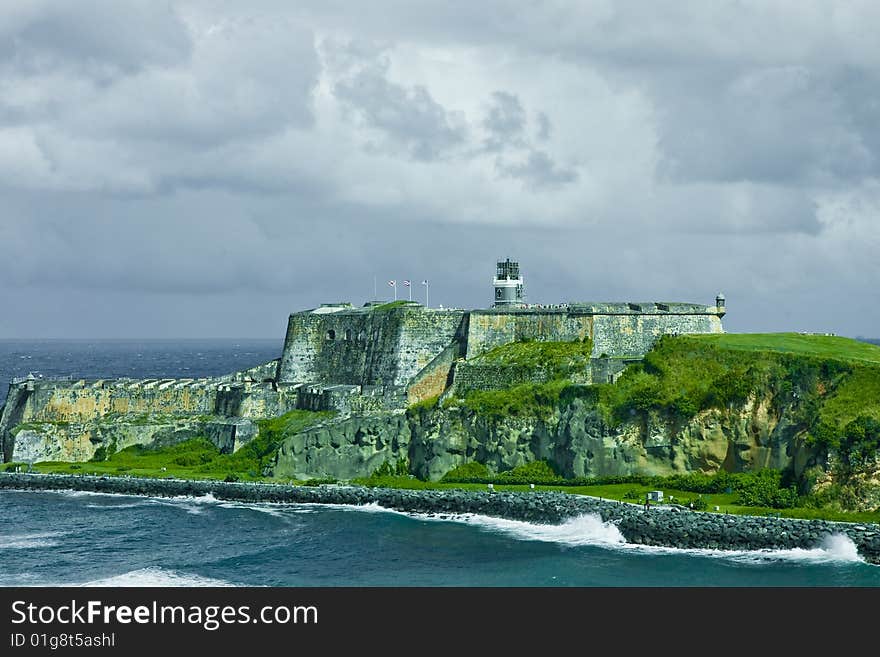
x,y
184,169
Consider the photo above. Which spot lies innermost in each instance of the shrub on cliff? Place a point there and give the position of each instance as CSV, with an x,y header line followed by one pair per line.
x,y
466,471
764,488
538,400
387,469
530,472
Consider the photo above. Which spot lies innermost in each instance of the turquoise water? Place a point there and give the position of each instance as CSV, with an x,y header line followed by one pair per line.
x,y
71,538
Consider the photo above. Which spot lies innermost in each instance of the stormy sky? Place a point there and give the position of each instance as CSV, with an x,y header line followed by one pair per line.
x,y
202,169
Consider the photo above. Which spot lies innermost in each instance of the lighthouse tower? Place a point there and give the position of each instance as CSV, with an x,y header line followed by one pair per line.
x,y
508,285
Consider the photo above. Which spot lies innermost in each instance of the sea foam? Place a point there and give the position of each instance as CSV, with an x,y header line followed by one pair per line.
x,y
30,541
155,576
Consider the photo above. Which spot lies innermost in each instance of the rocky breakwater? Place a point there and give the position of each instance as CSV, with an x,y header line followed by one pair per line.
x,y
661,526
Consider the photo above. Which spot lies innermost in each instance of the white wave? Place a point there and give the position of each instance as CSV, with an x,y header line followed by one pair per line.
x,y
86,493
374,507
192,505
587,529
124,505
833,548
836,548
275,510
155,576
29,541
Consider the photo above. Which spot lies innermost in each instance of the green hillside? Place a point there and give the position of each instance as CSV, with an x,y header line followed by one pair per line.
x,y
821,346
832,380
829,385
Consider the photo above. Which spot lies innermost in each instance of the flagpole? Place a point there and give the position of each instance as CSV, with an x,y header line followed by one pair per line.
x,y
409,289
395,290
375,294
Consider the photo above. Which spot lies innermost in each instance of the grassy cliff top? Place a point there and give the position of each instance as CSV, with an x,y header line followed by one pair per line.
x,y
833,380
537,354
821,346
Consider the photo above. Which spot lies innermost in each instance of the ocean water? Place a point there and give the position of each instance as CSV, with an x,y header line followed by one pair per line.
x,y
77,539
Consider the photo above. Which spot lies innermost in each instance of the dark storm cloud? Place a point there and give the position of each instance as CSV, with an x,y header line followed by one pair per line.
x,y
408,116
102,38
203,168
506,126
538,170
781,125
505,122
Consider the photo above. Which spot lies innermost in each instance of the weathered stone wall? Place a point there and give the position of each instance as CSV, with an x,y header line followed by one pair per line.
x,y
366,346
79,401
254,400
410,346
607,370
633,334
436,376
486,376
492,328
260,373
68,420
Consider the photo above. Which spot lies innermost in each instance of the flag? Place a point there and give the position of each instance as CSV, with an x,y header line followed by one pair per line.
x,y
425,282
392,283
406,283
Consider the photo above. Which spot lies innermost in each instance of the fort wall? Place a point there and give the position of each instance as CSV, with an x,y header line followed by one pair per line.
x,y
492,328
634,334
366,346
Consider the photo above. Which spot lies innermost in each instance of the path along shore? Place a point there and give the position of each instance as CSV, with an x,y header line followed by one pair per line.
x,y
661,526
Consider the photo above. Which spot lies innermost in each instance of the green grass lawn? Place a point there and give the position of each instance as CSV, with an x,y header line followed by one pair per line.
x,y
822,346
550,355
192,459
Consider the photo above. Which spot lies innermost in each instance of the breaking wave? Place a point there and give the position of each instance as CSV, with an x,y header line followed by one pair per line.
x,y
154,576
30,541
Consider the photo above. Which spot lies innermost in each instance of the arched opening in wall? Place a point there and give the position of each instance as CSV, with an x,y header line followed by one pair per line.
x,y
362,336
331,334
348,334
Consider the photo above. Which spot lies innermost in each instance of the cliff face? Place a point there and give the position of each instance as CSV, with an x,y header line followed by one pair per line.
x,y
575,439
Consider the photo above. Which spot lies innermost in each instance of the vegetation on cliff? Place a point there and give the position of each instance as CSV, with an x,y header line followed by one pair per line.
x,y
560,359
197,458
827,388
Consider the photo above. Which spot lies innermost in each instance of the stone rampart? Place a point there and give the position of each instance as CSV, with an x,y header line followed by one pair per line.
x,y
366,346
634,334
489,376
492,328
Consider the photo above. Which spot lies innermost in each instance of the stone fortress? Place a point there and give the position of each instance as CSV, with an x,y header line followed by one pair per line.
x,y
395,354
381,356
